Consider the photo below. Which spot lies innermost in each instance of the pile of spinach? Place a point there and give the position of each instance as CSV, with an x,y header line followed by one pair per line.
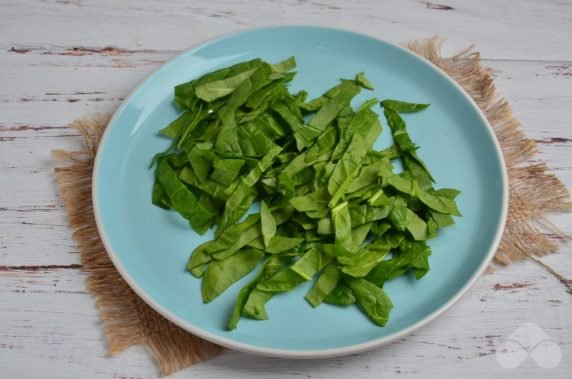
x,y
331,206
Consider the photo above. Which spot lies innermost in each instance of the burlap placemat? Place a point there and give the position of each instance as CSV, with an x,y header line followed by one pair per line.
x,y
127,320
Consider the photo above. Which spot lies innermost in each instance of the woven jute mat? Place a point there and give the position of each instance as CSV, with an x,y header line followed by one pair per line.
x,y
127,320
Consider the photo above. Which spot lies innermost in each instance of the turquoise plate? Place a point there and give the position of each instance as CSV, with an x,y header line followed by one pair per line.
x,y
150,246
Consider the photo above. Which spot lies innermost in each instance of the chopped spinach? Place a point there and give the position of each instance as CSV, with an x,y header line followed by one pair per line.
x,y
332,209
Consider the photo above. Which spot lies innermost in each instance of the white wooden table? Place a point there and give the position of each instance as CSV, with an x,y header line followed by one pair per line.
x,y
61,59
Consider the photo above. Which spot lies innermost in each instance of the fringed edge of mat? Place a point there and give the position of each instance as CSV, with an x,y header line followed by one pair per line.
x,y
533,191
125,318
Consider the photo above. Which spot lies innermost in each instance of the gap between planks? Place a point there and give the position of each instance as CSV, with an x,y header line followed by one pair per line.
x,y
79,51
40,267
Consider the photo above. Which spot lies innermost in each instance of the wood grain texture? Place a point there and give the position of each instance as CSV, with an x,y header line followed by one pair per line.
x,y
54,325
61,59
174,25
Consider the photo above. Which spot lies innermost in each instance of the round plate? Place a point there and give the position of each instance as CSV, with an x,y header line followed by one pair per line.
x,y
150,246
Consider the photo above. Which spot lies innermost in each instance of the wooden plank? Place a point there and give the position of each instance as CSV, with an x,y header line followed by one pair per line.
x,y
63,87
538,91
501,29
48,319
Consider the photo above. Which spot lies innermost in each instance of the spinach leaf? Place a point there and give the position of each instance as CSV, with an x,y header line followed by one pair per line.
x,y
333,104
313,201
219,275
269,268
402,106
325,284
403,218
362,81
182,199
254,306
360,264
372,299
313,261
176,128
284,66
267,223
279,244
341,295
410,255
219,88
342,226
346,168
